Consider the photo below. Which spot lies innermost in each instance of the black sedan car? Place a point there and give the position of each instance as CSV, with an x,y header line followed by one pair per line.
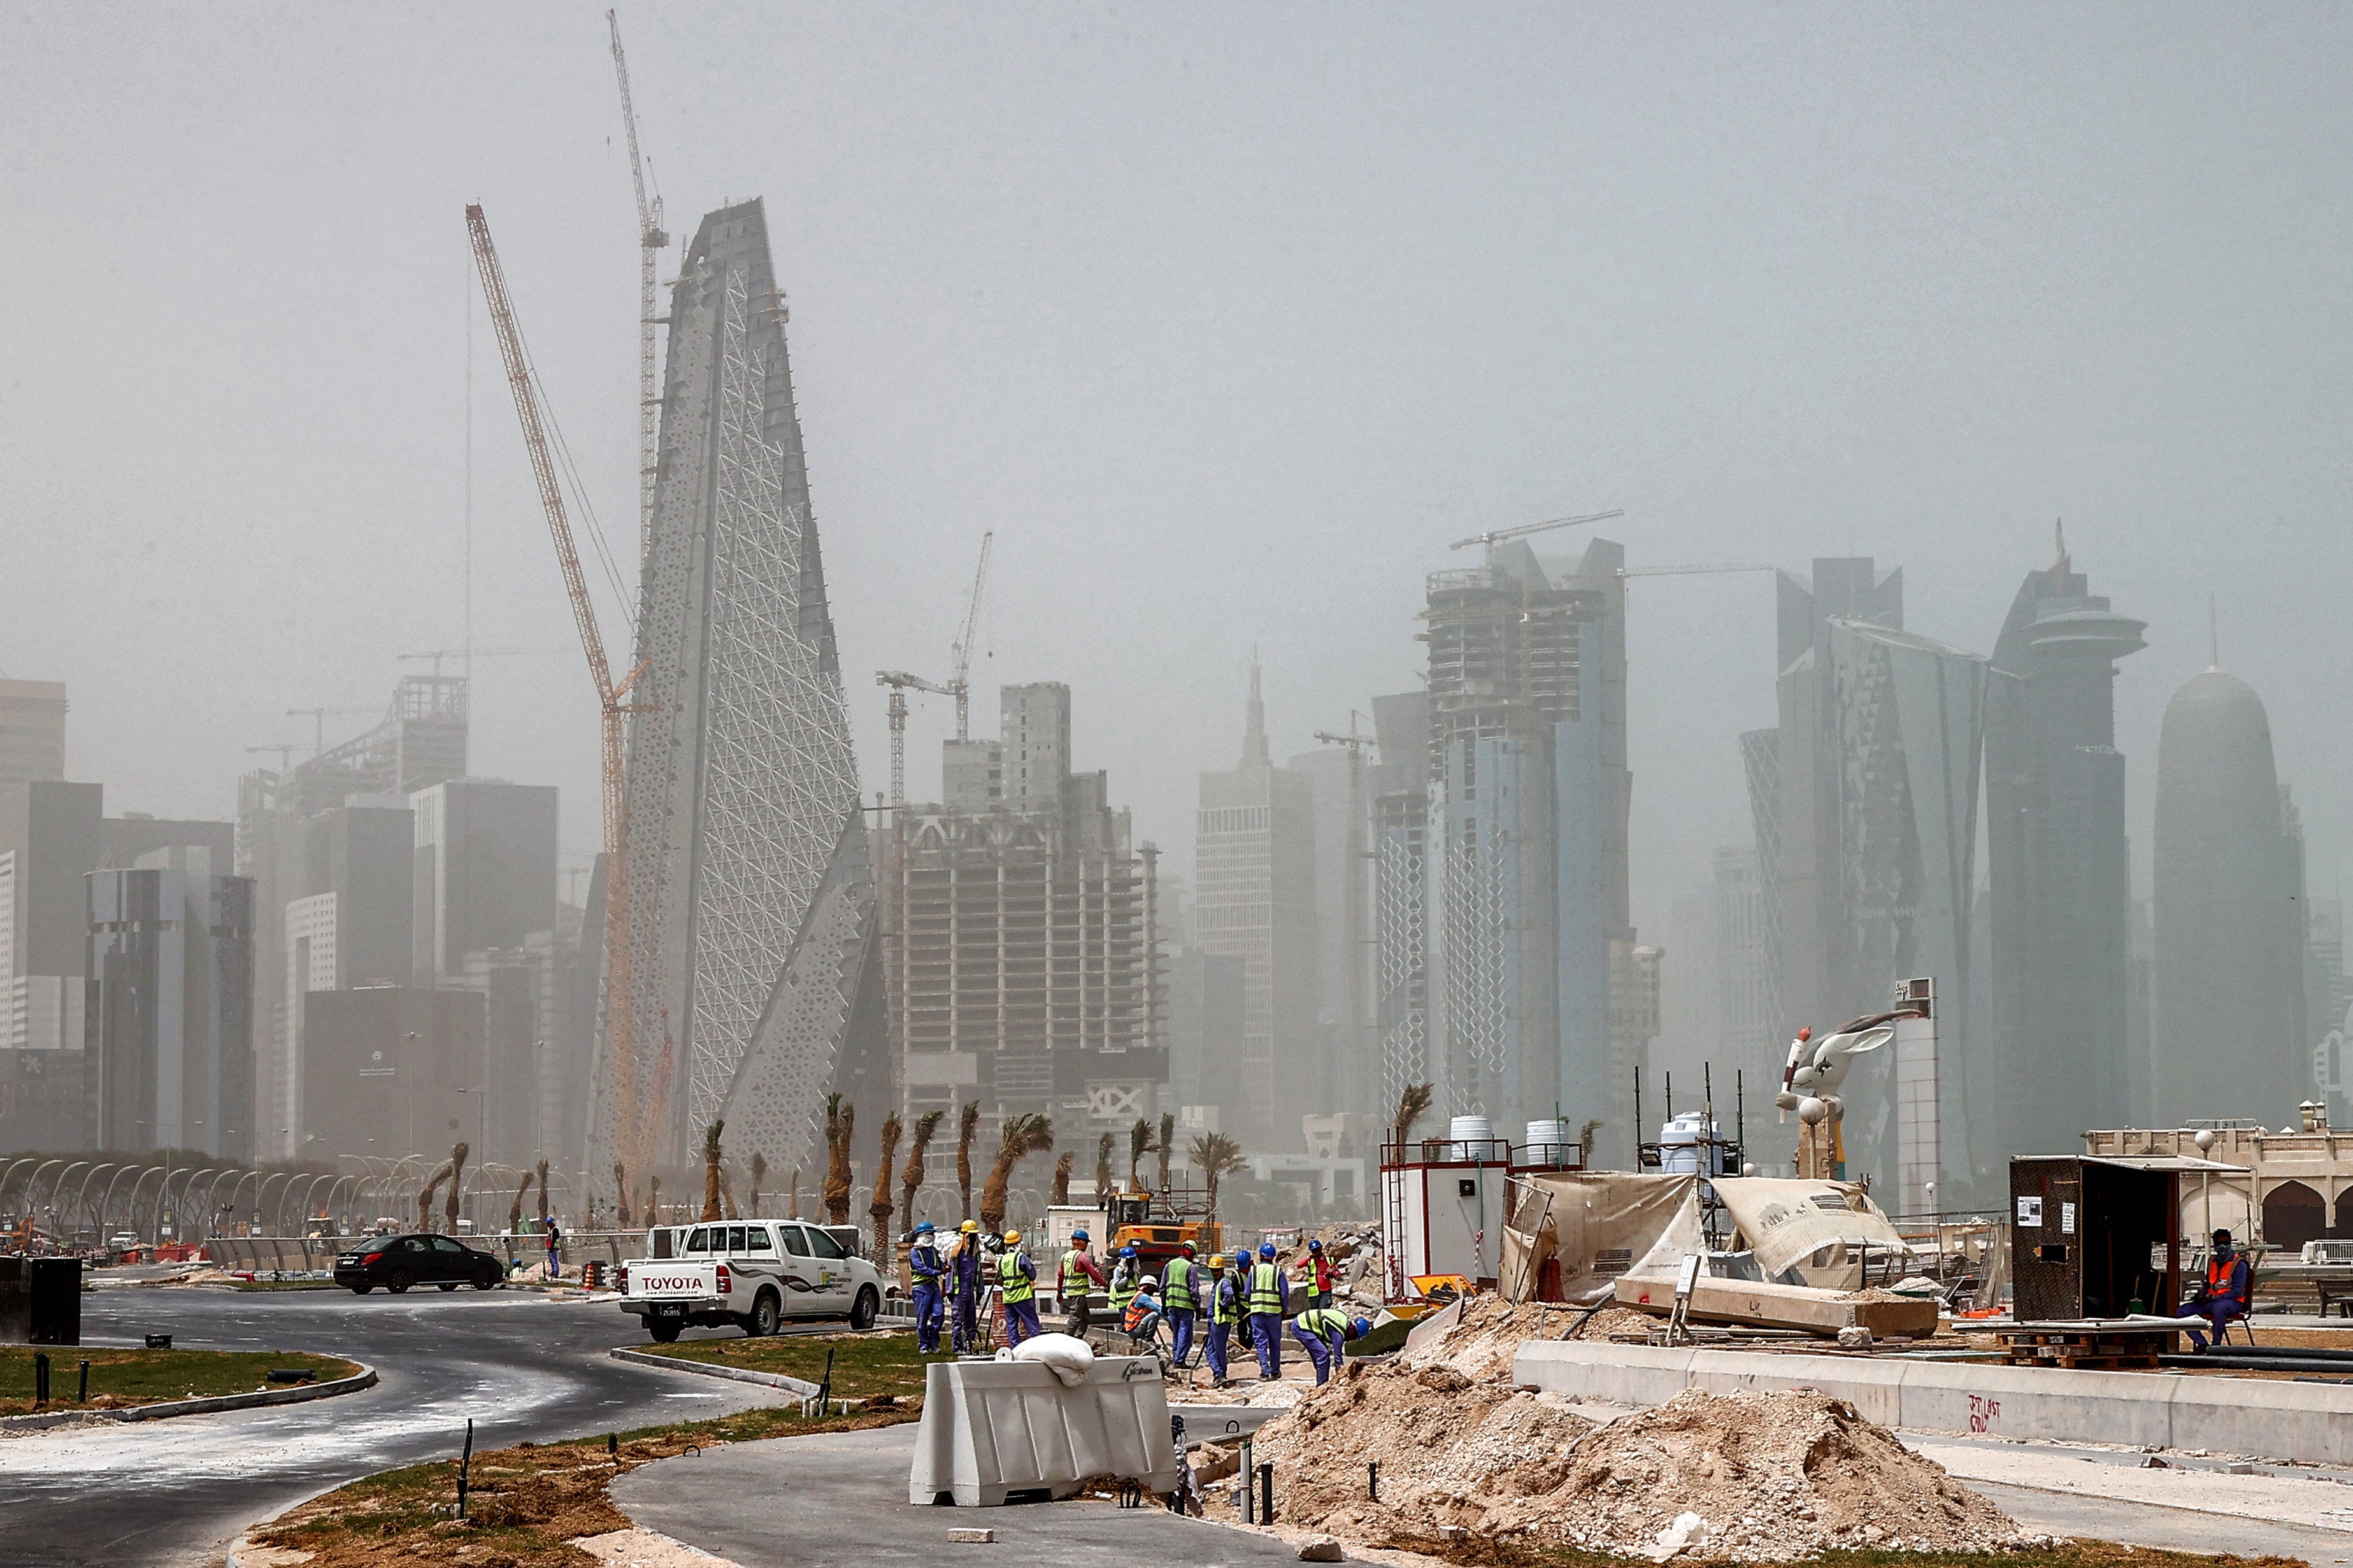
x,y
396,1262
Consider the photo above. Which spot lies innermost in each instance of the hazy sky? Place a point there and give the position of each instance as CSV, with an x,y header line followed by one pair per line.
x,y
1227,320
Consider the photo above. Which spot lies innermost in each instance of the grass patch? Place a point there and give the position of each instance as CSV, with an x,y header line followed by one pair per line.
x,y
864,1365
120,1379
2067,1554
525,1504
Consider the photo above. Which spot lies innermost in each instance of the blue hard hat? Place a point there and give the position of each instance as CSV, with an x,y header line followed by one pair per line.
x,y
1078,1235
1127,1252
925,1229
1266,1250
1241,1256
1361,1327
1316,1244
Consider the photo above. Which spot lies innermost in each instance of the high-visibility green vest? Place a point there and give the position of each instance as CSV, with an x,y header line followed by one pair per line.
x,y
1265,1289
1012,1284
1074,1277
1225,1305
1178,1279
1125,1281
1323,1323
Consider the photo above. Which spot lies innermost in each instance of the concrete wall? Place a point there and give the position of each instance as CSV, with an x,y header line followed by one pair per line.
x,y
2290,1421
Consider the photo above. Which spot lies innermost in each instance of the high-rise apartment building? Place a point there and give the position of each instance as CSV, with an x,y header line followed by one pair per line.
x,y
484,871
1021,960
32,731
2058,873
1748,1035
169,1055
1399,803
1865,806
2230,1031
1348,1064
1254,899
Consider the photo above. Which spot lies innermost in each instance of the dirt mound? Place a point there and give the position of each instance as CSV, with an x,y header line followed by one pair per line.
x,y
1769,1476
1480,1343
1612,1322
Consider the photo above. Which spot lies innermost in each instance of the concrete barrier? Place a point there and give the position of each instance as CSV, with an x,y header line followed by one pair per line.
x,y
994,1428
2302,1422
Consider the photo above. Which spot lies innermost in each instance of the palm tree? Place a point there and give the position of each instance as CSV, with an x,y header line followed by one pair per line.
x,y
1062,1176
759,1175
967,1129
1167,1146
1585,1139
840,1122
910,1176
541,1174
653,1200
794,1210
1024,1135
1102,1168
1216,1156
711,1171
621,1192
424,1196
514,1215
1411,1106
458,1152
1139,1144
880,1209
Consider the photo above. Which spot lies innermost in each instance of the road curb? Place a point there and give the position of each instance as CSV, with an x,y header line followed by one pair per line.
x,y
733,1373
296,1395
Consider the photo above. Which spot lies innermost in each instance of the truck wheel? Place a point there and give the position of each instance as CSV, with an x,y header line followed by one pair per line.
x,y
765,1315
398,1282
664,1329
863,1310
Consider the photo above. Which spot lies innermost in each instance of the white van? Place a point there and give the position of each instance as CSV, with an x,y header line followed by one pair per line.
x,y
750,1274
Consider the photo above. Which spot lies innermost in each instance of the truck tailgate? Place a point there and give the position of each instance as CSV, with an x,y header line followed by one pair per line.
x,y
672,1281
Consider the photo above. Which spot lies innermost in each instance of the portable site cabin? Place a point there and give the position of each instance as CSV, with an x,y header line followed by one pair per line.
x,y
2099,1237
1444,1202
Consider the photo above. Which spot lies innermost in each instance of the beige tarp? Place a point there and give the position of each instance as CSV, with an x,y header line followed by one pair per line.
x,y
1819,1229
1601,1225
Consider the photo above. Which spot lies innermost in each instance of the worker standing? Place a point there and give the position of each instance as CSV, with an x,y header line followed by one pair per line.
x,y
1080,1275
924,1263
1180,1297
1321,1274
1126,1275
1017,1286
1323,1330
1225,1311
1268,1298
2228,1289
964,1284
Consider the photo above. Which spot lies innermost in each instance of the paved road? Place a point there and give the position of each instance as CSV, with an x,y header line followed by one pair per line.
x,y
175,1492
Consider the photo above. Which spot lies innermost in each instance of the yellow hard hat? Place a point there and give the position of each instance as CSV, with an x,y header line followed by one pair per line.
x,y
970,1228
1012,1236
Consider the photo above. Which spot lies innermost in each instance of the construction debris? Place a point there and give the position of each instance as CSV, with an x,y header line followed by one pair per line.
x,y
1802,1307
1465,1455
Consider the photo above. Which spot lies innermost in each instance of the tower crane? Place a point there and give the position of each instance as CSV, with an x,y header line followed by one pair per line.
x,y
629,1132
958,684
651,240
1694,571
1490,539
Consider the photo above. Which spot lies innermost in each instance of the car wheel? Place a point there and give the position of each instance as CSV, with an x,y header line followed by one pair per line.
x,y
864,1310
398,1282
486,1280
362,1289
767,1315
663,1329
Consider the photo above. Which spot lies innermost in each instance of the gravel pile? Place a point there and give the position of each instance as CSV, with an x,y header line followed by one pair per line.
x,y
1759,1476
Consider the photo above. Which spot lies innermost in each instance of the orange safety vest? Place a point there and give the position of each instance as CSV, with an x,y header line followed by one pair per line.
x,y
2217,1277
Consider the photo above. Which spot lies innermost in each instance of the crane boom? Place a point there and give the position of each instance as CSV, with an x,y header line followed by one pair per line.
x,y
1694,571
1490,539
619,993
651,240
958,686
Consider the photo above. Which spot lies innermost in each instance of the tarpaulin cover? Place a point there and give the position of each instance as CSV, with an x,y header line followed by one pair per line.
x,y
1820,1229
1600,1226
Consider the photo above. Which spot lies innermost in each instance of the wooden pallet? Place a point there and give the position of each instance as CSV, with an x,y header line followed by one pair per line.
x,y
2127,1351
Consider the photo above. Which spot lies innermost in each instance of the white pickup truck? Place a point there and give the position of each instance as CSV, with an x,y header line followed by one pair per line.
x,y
750,1274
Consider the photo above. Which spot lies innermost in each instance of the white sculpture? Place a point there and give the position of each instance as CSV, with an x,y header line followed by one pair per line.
x,y
1817,1068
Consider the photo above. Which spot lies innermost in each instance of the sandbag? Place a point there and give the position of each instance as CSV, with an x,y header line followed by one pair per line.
x,y
1067,1356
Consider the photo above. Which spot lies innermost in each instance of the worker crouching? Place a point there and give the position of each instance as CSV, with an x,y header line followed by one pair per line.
x,y
1321,1332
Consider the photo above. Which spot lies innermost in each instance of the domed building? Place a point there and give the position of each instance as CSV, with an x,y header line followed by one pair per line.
x,y
2228,1029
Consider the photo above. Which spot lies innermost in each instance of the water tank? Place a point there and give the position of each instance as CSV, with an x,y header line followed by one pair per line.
x,y
1470,1135
1679,1146
1549,1142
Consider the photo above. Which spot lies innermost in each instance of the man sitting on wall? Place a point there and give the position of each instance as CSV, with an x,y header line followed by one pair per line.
x,y
2229,1290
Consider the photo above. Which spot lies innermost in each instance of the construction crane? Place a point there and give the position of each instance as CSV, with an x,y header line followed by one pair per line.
x,y
437,654
1694,570
317,717
285,755
958,685
651,240
620,1021
1489,541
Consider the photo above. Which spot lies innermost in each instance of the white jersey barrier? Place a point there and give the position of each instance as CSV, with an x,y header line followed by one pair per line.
x,y
994,1428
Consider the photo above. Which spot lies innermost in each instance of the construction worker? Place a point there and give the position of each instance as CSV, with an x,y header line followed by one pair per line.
x,y
1079,1277
1321,1274
1323,1330
964,1284
924,1263
1142,1318
1016,1285
1268,1296
1225,1311
1125,1276
1180,1296
2225,1295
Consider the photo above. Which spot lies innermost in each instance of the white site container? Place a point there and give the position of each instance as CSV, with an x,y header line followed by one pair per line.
x,y
994,1428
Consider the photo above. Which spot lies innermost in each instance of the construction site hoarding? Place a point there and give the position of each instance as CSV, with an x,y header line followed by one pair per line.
x,y
1571,1236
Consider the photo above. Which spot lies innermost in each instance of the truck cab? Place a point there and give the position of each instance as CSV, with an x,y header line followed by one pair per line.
x,y
748,1273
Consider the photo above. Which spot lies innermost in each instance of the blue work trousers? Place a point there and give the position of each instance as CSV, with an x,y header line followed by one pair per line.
x,y
1020,1322
966,1332
1213,1348
928,1314
2216,1311
1266,1337
1181,1323
1325,1353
